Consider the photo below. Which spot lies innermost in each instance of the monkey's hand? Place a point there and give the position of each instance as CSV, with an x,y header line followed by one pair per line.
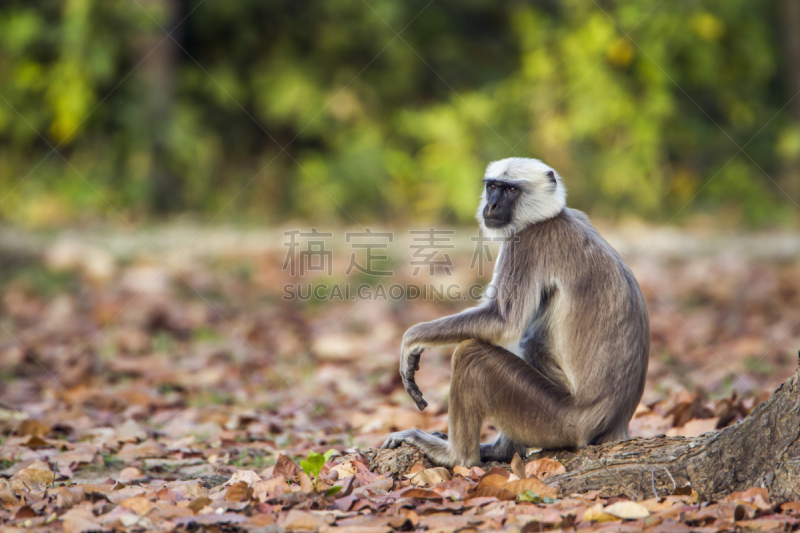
x,y
409,364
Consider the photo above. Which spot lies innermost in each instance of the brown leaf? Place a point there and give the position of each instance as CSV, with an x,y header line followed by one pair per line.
x,y
33,478
32,427
302,521
544,468
305,482
493,480
36,442
462,471
80,520
83,454
139,504
344,470
129,474
490,491
416,467
497,471
518,466
285,467
694,428
431,476
24,512
422,494
238,492
532,484
790,506
248,476
199,503
595,513
627,509
749,495
149,448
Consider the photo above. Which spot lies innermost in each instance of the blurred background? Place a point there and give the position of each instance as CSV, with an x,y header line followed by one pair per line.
x,y
389,111
154,152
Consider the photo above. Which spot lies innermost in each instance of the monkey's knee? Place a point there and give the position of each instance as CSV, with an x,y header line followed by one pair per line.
x,y
464,351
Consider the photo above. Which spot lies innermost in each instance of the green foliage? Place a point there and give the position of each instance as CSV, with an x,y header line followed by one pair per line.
x,y
641,106
312,465
529,496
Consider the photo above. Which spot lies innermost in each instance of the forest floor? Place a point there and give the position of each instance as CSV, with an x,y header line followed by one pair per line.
x,y
160,380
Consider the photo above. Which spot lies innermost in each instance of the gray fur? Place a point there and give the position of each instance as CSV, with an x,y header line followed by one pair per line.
x,y
555,355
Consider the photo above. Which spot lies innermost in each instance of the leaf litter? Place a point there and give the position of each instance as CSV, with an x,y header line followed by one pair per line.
x,y
192,397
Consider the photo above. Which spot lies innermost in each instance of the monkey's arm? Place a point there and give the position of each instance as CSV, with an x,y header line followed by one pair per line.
x,y
483,323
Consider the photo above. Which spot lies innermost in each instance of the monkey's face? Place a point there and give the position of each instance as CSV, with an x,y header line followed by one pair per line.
x,y
501,198
518,192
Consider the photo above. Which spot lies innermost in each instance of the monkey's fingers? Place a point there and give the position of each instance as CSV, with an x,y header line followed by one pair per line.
x,y
413,390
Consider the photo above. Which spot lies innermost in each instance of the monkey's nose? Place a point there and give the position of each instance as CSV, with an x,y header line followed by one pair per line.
x,y
490,208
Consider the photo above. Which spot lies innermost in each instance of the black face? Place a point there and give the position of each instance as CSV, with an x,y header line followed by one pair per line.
x,y
501,196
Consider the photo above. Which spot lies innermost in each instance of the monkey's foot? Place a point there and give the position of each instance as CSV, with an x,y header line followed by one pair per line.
x,y
409,436
435,448
502,450
489,453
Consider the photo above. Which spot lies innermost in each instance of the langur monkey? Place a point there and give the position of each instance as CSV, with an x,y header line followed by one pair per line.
x,y
555,355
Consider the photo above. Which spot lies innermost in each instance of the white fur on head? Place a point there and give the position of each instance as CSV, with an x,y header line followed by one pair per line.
x,y
541,200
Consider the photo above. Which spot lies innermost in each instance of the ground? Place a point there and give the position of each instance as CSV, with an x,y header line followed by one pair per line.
x,y
151,380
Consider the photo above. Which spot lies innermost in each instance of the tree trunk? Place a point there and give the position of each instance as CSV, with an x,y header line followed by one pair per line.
x,y
158,73
763,450
790,22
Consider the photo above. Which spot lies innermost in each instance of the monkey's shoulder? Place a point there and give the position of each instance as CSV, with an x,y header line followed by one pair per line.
x,y
569,231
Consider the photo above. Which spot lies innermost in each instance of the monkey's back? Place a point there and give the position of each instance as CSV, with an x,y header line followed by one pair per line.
x,y
591,332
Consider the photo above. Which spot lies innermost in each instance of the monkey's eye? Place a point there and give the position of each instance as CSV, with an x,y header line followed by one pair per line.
x,y
493,186
512,189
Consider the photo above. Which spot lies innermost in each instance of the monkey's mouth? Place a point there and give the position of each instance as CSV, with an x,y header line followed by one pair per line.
x,y
492,222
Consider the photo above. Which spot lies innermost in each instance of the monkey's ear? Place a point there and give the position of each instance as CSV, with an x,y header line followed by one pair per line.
x,y
551,176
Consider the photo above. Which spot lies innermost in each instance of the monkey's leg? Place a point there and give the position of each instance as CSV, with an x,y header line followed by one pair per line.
x,y
488,381
466,415
529,409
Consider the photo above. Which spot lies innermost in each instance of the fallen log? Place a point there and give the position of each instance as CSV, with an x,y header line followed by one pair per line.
x,y
763,450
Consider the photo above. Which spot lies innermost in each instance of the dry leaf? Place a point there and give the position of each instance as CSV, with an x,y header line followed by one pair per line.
x,y
305,482
130,473
694,428
493,480
286,467
302,521
518,466
431,476
199,503
416,467
462,471
247,476
627,509
532,484
139,504
148,448
80,520
35,442
263,489
24,512
344,470
422,494
33,478
84,454
791,506
544,468
655,505
491,491
595,513
32,427
238,492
